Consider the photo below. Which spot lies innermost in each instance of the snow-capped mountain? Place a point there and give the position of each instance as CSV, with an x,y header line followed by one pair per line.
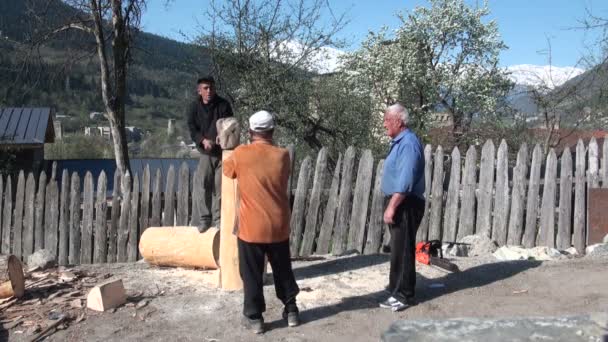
x,y
542,75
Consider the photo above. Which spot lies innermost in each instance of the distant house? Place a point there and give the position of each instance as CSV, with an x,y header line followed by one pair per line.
x,y
23,133
133,133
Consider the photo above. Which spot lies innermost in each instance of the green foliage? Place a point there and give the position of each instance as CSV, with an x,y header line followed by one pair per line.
x,y
443,57
79,147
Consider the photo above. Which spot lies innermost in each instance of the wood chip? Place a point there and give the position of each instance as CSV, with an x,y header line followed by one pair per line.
x,y
58,293
67,276
9,320
80,318
142,303
76,303
13,324
520,291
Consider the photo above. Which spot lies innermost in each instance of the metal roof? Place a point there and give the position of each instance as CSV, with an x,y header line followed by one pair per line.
x,y
26,126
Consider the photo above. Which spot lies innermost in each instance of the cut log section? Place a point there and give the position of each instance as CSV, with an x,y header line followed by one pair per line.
x,y
12,282
108,295
180,247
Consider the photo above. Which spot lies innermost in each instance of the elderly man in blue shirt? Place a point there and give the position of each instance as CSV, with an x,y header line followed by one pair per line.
x,y
403,184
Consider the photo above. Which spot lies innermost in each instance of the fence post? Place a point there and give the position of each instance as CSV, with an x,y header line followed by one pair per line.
x,y
101,209
376,220
156,203
115,217
579,237
329,217
183,190
299,207
518,199
310,231
423,229
356,236
145,200
8,212
39,212
133,237
64,219
436,196
28,218
529,238
501,195
486,187
169,210
546,236
466,222
86,244
564,226
451,205
123,227
18,217
51,217
344,203
74,248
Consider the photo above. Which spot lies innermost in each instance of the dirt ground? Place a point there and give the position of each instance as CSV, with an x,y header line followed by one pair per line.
x,y
339,297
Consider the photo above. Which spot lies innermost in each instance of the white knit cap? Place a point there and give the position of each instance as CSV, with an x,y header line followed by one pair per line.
x,y
261,121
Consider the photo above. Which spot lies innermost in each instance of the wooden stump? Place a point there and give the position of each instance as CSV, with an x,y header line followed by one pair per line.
x,y
12,282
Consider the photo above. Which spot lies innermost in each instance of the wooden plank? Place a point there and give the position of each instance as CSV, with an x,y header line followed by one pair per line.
x,y
169,210
74,245
86,236
230,278
564,223
423,229
486,188
518,199
7,220
114,219
123,224
292,155
39,208
604,171
28,216
466,221
339,242
592,175
145,200
156,201
54,170
18,217
361,198
51,217
593,156
64,219
451,205
198,187
529,238
133,238
579,236
1,202
501,195
329,216
312,215
299,206
376,219
546,236
183,190
436,196
101,226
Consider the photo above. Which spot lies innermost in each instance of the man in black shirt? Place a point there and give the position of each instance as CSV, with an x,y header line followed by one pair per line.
x,y
203,114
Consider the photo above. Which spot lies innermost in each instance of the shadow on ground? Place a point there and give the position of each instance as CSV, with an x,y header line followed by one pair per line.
x,y
339,265
473,277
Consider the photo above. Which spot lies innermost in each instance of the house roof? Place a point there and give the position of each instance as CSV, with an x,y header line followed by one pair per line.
x,y
26,126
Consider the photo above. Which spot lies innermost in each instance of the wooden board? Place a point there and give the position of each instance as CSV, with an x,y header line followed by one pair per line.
x,y
298,212
564,223
344,204
329,216
486,188
466,221
518,199
358,217
529,237
230,278
312,216
436,197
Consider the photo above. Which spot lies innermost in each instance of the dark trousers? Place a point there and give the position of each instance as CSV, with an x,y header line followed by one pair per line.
x,y
206,211
251,268
402,276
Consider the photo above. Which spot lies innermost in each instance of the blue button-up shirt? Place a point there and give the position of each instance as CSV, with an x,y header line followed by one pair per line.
x,y
404,166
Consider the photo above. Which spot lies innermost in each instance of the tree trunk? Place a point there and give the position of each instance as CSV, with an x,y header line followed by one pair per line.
x,y
12,282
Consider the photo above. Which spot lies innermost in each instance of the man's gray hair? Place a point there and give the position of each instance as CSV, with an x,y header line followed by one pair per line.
x,y
398,110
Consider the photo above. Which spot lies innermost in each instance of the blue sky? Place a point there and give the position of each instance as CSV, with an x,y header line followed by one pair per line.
x,y
525,25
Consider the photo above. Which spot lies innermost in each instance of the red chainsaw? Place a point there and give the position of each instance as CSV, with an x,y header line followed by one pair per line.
x,y
430,253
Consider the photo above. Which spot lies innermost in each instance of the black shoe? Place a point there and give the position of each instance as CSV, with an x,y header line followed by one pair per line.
x,y
256,325
293,318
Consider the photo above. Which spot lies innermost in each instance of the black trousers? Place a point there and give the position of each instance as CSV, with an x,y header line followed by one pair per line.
x,y
251,268
402,276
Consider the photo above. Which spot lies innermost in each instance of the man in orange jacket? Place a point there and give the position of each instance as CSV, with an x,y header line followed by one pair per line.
x,y
262,171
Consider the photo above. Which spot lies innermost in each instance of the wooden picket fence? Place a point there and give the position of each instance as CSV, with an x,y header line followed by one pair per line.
x,y
334,211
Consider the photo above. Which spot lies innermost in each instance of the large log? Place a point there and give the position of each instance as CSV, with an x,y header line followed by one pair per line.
x,y
180,247
12,281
